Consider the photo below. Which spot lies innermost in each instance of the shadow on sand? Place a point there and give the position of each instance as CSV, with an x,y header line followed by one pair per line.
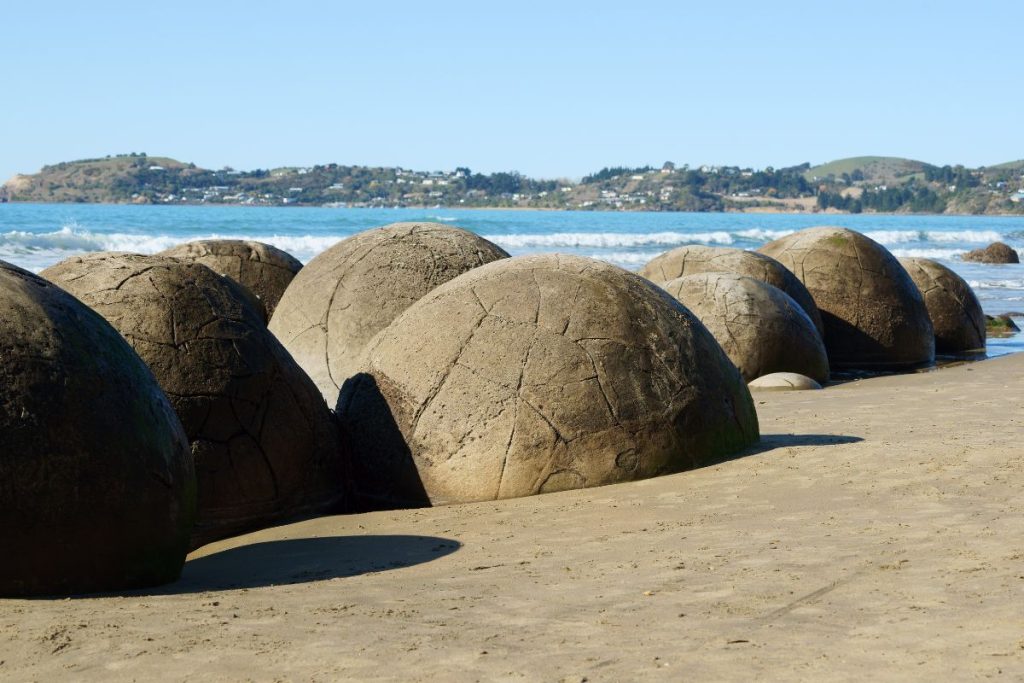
x,y
303,560
770,442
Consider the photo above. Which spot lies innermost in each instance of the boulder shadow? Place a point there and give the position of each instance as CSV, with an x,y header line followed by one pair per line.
x,y
770,442
303,560
384,474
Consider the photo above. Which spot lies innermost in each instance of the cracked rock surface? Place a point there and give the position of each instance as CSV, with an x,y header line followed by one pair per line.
x,y
264,443
873,314
760,327
693,259
97,490
954,309
263,269
352,291
537,374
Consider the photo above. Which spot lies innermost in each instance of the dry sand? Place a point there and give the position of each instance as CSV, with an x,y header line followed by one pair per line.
x,y
877,532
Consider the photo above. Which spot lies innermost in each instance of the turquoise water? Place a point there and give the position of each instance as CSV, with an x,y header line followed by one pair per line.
x,y
35,236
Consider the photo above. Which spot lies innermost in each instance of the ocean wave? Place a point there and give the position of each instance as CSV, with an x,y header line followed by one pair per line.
x,y
927,253
996,284
626,259
610,240
39,250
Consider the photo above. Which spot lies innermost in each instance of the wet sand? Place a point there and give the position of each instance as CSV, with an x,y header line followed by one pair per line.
x,y
877,531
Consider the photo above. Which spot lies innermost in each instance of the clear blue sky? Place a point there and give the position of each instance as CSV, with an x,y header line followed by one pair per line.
x,y
549,89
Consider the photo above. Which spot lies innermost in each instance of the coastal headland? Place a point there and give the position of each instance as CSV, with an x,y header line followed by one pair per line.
x,y
874,532
869,184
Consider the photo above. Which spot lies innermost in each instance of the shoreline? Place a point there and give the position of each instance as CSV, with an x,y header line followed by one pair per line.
x,y
874,529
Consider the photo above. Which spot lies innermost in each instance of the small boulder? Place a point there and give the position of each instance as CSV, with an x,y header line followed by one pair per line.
x,y
265,445
783,381
263,269
693,259
954,309
536,374
97,488
997,252
352,291
1000,326
760,327
874,315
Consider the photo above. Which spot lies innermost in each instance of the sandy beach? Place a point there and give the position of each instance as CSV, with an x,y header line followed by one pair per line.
x,y
875,532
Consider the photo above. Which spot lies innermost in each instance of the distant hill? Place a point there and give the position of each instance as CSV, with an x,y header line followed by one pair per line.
x,y
855,185
872,169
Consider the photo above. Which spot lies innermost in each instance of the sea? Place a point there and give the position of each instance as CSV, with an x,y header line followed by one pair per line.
x,y
35,236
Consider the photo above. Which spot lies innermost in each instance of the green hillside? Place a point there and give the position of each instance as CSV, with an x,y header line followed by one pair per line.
x,y
874,169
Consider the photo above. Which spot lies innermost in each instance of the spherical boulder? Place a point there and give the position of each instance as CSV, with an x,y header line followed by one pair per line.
x,y
97,488
537,374
693,259
760,327
997,252
265,445
873,314
352,291
955,311
263,269
783,381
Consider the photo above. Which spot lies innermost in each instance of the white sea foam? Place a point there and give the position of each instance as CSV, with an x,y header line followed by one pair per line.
x,y
926,253
609,240
996,284
626,259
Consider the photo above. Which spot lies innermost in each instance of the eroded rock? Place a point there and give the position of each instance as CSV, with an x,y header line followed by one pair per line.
x,y
97,489
761,328
539,374
997,252
694,259
874,316
955,311
263,269
265,445
783,381
352,291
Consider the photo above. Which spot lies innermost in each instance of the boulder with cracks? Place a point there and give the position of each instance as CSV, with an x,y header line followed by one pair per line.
x,y
97,488
874,316
352,291
263,269
954,309
694,259
538,374
265,445
760,327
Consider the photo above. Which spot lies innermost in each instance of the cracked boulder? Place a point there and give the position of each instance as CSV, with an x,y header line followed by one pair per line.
x,y
997,252
352,291
264,443
955,311
874,317
537,374
263,269
97,489
693,259
760,327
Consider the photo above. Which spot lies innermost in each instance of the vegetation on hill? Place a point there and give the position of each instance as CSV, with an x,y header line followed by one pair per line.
x,y
883,184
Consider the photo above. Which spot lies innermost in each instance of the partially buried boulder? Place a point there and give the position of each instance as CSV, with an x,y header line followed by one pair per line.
x,y
873,314
265,445
693,259
352,291
97,489
760,327
783,381
538,374
997,252
263,269
955,311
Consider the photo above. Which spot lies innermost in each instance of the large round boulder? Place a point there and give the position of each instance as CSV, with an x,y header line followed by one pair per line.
x,y
265,445
694,259
97,489
352,291
263,269
873,314
997,252
955,311
537,374
760,327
